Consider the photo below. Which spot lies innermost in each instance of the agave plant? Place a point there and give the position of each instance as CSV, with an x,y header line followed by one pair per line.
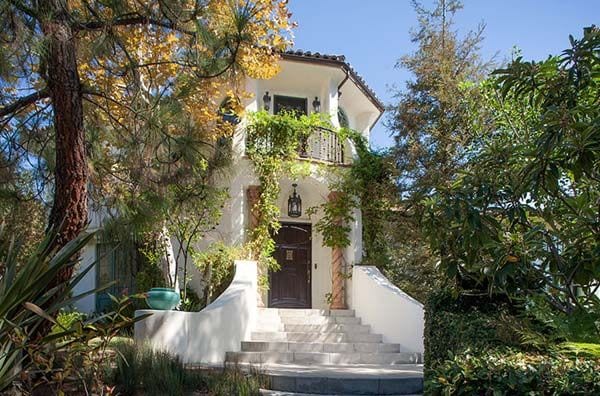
x,y
24,291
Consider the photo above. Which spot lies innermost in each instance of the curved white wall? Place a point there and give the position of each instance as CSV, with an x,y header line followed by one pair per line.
x,y
389,311
205,336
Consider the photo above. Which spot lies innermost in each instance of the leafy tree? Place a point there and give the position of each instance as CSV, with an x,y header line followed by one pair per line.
x,y
523,217
131,84
432,127
431,123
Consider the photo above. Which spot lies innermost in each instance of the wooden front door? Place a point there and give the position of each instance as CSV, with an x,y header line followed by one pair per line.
x,y
290,286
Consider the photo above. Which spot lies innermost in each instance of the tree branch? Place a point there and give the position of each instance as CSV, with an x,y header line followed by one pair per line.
x,y
23,102
129,21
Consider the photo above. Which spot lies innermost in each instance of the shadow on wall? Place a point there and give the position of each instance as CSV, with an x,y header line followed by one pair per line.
x,y
389,311
205,336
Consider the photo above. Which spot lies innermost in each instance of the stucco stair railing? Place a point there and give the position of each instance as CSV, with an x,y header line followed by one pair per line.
x,y
205,336
395,315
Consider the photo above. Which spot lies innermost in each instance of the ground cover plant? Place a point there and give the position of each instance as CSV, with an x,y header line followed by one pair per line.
x,y
140,369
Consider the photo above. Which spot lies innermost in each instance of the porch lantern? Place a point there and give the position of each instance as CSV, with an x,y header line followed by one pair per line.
x,y
316,105
294,203
267,101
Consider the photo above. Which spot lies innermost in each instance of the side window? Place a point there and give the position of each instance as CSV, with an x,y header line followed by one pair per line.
x,y
343,118
291,104
114,262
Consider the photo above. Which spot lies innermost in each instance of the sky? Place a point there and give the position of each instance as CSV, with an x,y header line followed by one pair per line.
x,y
374,34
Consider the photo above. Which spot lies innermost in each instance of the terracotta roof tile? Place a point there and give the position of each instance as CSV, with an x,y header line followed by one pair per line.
x,y
340,60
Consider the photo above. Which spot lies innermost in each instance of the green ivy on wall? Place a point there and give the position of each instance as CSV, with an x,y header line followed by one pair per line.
x,y
272,146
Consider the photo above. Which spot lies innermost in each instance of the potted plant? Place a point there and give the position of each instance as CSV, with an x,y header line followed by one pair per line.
x,y
163,298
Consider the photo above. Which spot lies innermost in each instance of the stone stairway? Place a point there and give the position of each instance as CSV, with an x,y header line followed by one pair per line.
x,y
327,352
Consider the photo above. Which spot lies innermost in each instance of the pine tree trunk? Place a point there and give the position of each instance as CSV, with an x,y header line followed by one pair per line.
x,y
69,210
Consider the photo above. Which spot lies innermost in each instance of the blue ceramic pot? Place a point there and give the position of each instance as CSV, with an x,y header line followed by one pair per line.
x,y
162,298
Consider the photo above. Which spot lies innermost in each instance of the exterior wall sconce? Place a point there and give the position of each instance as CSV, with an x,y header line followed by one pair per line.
x,y
294,203
316,105
267,101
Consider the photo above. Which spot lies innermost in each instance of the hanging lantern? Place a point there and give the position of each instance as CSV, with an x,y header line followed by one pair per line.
x,y
294,203
316,105
267,101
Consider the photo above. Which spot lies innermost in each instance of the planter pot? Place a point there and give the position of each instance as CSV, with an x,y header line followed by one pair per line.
x,y
162,298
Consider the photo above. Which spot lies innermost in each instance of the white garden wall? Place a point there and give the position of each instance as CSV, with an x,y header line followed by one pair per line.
x,y
205,336
389,311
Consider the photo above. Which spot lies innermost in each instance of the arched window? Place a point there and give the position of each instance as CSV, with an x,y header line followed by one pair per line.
x,y
342,118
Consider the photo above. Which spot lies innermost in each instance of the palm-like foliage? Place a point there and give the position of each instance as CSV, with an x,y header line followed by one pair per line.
x,y
23,290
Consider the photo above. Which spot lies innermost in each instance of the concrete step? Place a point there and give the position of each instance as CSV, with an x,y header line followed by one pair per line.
x,y
312,320
324,358
304,312
339,380
346,347
327,328
329,337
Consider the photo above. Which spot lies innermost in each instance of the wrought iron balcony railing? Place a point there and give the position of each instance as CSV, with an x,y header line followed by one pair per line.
x,y
323,145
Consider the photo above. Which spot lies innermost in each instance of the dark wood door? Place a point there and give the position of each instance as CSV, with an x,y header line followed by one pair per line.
x,y
290,287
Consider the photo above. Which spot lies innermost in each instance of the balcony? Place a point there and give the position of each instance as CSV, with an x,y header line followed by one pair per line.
x,y
323,145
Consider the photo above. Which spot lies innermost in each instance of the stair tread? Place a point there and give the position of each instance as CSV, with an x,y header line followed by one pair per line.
x,y
329,353
329,358
366,371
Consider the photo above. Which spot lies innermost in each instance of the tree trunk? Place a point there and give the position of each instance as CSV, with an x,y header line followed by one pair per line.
x,y
69,210
169,263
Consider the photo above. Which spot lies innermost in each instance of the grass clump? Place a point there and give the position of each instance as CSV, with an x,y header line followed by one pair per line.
x,y
138,369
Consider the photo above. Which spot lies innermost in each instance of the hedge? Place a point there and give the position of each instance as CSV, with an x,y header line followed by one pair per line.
x,y
475,345
510,372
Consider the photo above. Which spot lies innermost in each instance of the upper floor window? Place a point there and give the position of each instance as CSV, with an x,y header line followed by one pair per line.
x,y
291,104
342,118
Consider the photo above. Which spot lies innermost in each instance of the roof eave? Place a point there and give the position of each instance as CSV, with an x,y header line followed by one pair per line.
x,y
337,61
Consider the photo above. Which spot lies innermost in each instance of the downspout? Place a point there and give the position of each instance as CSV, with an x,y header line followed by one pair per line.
x,y
343,82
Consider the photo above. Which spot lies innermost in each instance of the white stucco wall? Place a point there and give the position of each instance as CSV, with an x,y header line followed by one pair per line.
x,y
298,79
86,304
205,336
389,311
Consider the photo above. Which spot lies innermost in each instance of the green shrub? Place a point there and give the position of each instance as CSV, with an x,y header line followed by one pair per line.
x,y
66,320
455,324
190,302
216,265
509,372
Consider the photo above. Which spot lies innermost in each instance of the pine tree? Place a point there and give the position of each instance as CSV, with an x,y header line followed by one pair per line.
x,y
431,122
115,81
432,126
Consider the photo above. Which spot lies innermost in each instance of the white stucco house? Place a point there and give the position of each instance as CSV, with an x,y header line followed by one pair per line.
x,y
307,82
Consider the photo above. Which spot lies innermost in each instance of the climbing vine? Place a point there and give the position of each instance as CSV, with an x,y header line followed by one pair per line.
x,y
272,146
367,185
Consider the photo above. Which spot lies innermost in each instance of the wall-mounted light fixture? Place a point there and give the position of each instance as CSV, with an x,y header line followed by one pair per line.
x,y
294,203
267,101
316,105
